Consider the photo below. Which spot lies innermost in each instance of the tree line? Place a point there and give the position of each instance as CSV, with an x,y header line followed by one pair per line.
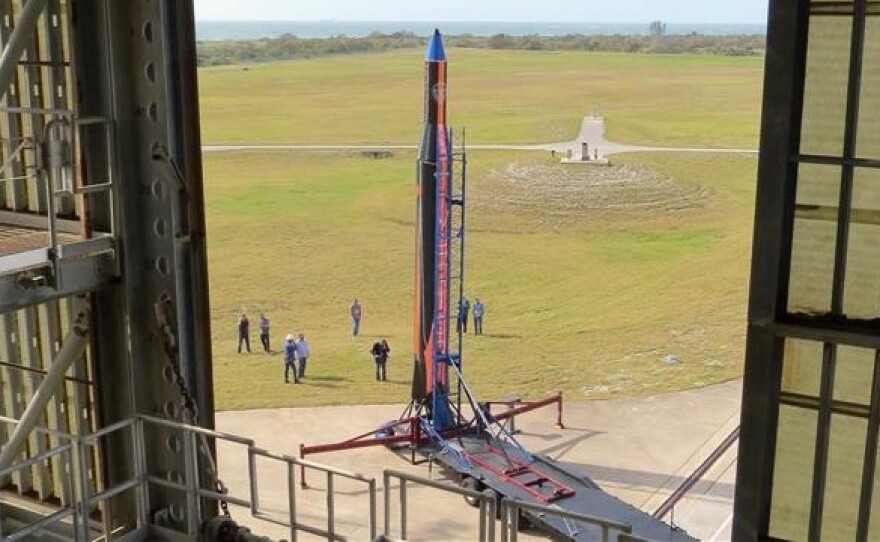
x,y
288,46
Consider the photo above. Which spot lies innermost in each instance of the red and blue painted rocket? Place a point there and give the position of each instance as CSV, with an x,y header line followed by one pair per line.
x,y
433,227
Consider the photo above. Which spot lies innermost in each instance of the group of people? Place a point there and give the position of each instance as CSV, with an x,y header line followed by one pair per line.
x,y
463,311
296,354
244,332
296,349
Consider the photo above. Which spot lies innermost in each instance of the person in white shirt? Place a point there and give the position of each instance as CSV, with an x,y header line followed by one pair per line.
x,y
302,355
479,310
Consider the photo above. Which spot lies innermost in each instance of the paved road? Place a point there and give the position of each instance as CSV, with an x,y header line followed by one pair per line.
x,y
638,449
592,133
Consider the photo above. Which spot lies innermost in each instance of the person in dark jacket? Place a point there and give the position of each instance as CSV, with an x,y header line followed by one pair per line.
x,y
244,332
380,353
463,311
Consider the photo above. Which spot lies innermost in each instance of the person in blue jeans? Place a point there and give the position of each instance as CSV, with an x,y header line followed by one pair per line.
x,y
479,310
289,350
355,311
302,355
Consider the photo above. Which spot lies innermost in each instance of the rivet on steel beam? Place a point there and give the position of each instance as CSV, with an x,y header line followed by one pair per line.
x,y
158,189
160,227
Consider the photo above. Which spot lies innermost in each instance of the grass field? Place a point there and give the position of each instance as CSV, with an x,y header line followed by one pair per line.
x,y
597,281
500,96
587,302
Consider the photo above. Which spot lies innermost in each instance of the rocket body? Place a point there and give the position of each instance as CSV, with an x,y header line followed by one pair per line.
x,y
433,222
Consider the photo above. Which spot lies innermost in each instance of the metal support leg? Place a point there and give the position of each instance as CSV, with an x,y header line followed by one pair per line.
x,y
71,350
291,499
559,423
22,33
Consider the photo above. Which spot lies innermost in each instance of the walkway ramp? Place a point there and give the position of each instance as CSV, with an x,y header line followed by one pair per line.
x,y
539,480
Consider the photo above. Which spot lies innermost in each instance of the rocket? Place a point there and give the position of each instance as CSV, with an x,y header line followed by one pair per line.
x,y
433,226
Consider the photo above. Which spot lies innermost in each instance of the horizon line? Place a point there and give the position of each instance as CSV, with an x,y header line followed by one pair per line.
x,y
434,21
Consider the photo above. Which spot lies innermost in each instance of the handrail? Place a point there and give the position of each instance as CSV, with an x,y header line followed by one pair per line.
x,y
65,452
698,473
197,429
76,452
487,500
39,429
292,464
39,458
510,509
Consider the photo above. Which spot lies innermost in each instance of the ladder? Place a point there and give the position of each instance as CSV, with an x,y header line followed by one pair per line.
x,y
455,242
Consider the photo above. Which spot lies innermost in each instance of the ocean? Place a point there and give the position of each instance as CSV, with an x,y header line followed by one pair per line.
x,y
248,30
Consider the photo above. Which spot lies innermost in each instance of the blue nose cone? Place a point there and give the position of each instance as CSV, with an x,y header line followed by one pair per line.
x,y
435,51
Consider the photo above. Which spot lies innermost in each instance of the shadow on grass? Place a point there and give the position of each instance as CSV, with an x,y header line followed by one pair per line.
x,y
327,378
499,335
311,384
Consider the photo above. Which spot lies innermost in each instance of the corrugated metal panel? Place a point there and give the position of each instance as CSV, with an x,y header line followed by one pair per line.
x,y
13,387
28,330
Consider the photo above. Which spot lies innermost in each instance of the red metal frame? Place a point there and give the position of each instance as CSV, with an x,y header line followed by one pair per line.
x,y
414,436
511,475
527,406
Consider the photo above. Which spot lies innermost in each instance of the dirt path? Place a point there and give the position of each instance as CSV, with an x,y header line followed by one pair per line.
x,y
592,133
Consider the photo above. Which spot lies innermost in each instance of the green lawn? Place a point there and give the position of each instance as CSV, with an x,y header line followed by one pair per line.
x,y
588,303
589,285
500,96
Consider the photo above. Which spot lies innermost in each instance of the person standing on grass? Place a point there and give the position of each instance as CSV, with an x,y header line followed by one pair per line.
x,y
355,311
302,355
479,310
463,311
289,350
380,353
244,332
263,324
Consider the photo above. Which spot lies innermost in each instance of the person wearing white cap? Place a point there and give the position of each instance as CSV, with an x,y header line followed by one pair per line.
x,y
289,350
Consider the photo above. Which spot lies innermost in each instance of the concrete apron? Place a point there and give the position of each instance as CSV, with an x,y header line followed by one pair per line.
x,y
638,449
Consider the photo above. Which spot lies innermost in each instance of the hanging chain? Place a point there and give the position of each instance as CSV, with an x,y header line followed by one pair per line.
x,y
164,310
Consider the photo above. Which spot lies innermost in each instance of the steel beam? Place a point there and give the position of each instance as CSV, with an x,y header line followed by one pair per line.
x,y
771,248
71,350
134,63
18,41
80,276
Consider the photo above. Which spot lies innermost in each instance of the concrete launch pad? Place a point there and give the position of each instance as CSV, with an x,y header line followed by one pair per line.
x,y
637,449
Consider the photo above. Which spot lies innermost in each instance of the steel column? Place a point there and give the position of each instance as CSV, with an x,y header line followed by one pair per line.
x,y
780,131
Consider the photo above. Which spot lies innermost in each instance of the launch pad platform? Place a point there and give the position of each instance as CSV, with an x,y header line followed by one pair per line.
x,y
536,479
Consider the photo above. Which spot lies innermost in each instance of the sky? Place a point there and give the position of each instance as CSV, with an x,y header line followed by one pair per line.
x,y
600,11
